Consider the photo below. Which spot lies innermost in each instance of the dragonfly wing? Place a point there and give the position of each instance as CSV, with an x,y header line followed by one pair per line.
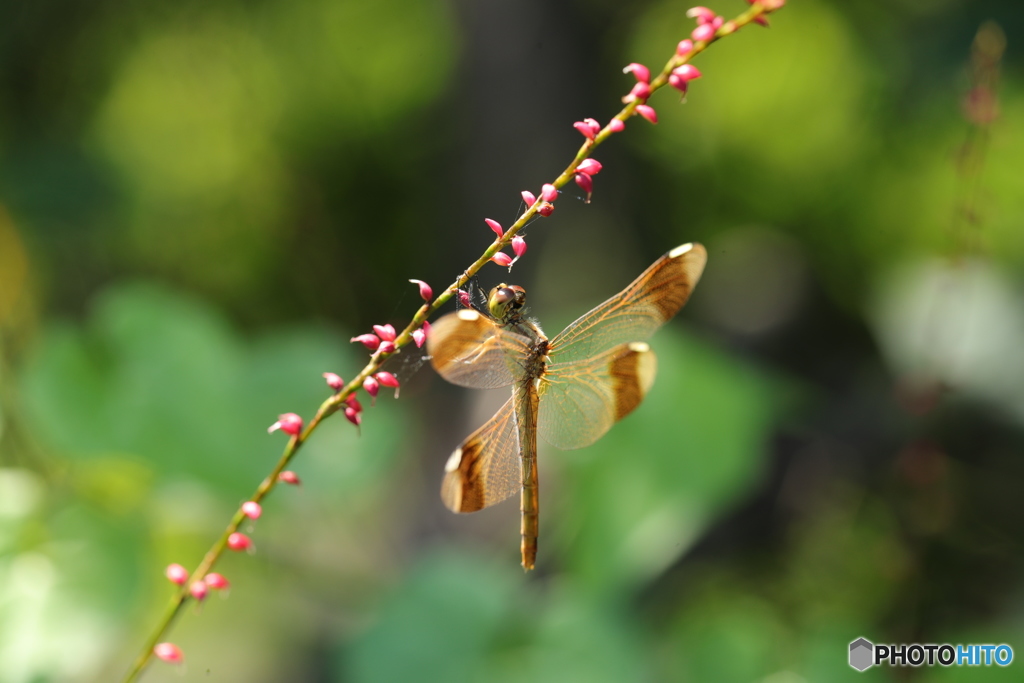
x,y
485,469
637,311
581,400
467,348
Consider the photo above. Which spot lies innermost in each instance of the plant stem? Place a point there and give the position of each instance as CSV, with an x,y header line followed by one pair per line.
x,y
333,403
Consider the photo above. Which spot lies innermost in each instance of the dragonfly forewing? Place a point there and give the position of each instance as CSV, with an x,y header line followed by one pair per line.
x,y
468,349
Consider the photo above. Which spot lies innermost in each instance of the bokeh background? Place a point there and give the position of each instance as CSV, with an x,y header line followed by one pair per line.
x,y
200,202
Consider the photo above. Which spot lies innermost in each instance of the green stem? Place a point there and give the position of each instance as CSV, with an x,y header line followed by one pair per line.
x,y
333,403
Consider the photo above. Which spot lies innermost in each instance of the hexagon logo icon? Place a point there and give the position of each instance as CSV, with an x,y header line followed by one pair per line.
x,y
861,651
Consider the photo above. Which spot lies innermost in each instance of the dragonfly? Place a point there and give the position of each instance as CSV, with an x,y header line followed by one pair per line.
x,y
570,389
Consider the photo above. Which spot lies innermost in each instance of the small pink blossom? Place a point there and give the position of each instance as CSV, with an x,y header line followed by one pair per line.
x,y
616,125
334,381
198,590
717,22
252,509
762,20
640,91
168,652
386,347
426,293
546,209
518,246
684,48
647,112
464,299
529,198
549,192
372,386
217,581
687,72
385,332
495,226
176,574
419,336
502,259
353,416
239,541
590,167
586,183
289,477
585,129
370,341
678,83
703,15
289,423
704,33
772,5
641,72
388,380
594,125
353,403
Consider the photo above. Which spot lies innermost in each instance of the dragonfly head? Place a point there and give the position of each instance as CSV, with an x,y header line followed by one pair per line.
x,y
505,302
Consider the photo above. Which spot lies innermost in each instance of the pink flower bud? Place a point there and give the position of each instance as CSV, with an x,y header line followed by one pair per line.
x,y
387,379
418,337
176,573
518,245
426,293
334,381
169,652
353,403
216,581
586,183
647,112
641,72
684,48
239,541
502,259
717,22
678,83
385,332
529,198
687,72
252,509
616,125
772,5
594,125
198,590
702,14
289,477
640,91
370,341
762,20
704,32
387,347
548,193
426,326
590,166
584,128
289,423
546,209
464,299
495,226
372,386
353,416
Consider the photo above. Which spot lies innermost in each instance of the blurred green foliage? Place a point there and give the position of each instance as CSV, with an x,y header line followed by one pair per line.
x,y
200,203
